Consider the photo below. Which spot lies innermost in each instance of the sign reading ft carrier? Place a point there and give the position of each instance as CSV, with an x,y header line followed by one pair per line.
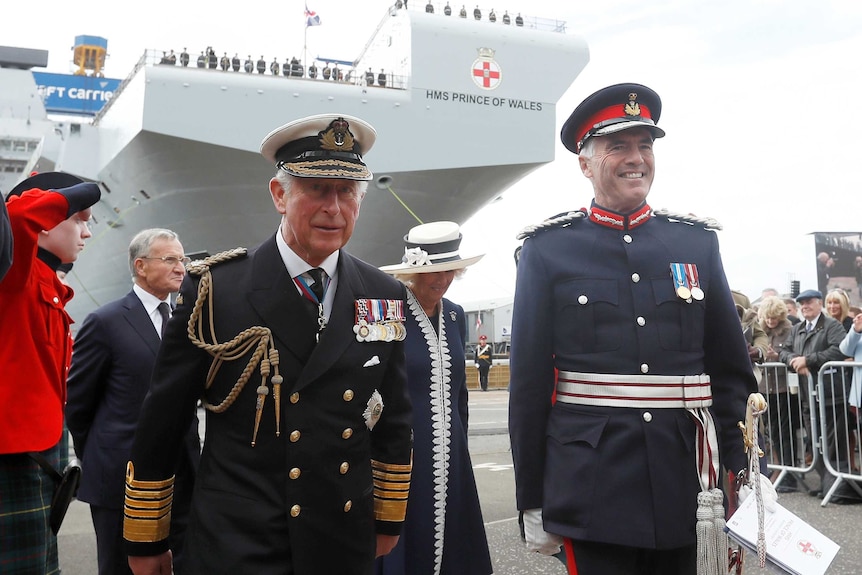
x,y
79,95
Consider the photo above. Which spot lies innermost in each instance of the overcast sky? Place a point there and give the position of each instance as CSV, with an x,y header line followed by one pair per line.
x,y
759,106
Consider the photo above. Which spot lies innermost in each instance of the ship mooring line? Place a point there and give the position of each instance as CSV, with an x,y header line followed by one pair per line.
x,y
406,207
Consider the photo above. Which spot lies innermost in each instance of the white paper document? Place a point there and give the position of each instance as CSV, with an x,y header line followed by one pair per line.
x,y
791,543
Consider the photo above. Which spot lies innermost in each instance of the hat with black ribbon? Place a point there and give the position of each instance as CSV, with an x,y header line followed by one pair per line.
x,y
432,247
321,146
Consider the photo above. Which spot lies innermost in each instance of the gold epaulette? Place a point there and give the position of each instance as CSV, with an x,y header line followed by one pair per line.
x,y
691,219
199,267
147,508
391,488
558,221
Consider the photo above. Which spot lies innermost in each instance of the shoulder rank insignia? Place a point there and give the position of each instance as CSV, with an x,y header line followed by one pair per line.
x,y
705,223
199,267
558,221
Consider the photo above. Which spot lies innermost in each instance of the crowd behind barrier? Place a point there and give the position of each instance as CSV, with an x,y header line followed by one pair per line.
x,y
810,427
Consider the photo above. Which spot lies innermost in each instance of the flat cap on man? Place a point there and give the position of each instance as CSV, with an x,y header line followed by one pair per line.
x,y
809,294
321,146
612,109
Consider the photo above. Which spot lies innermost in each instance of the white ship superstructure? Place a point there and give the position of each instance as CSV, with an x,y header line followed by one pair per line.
x,y
468,109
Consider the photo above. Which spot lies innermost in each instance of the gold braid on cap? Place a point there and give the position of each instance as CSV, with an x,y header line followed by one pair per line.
x,y
259,338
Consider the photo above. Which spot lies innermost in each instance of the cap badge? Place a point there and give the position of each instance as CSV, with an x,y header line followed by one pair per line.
x,y
633,108
337,136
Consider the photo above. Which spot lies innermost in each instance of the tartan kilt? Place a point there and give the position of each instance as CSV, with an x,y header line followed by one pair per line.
x,y
27,545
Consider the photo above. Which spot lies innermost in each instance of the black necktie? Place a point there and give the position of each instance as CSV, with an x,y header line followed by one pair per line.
x,y
317,275
165,312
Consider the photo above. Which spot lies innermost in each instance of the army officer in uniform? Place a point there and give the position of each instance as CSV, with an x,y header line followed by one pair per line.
x,y
296,348
633,310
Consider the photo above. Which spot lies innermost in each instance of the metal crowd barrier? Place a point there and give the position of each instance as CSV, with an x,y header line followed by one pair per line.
x,y
839,428
790,428
809,427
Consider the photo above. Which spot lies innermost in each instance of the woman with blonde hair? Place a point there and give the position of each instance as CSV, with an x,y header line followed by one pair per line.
x,y
838,307
783,414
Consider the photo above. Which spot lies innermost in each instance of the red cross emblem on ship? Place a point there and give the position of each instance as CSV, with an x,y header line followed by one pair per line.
x,y
486,72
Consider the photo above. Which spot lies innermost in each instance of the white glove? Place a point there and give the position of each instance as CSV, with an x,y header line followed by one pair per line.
x,y
537,538
770,496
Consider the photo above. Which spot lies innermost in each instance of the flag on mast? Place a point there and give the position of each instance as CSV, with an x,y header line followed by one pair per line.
x,y
478,321
311,17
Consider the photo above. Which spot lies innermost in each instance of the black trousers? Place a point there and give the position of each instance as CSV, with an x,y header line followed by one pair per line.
x,y
590,558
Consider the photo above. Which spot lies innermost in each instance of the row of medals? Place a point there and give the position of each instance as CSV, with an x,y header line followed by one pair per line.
x,y
685,293
384,331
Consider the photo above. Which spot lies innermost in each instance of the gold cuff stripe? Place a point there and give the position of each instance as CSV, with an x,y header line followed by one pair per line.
x,y
388,510
145,530
389,486
149,510
148,485
146,494
390,467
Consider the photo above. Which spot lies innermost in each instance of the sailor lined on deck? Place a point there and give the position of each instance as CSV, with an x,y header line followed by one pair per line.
x,y
612,304
307,455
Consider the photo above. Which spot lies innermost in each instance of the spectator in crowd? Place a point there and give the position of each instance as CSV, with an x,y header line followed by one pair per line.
x,y
838,307
112,362
307,468
755,337
443,533
783,415
857,270
792,311
852,348
812,343
49,214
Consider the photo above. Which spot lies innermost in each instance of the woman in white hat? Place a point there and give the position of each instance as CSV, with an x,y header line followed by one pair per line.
x,y
443,532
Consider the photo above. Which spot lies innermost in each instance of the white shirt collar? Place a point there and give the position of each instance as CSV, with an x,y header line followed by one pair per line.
x,y
296,265
151,302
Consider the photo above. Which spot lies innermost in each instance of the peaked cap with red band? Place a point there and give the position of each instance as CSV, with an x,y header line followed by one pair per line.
x,y
612,109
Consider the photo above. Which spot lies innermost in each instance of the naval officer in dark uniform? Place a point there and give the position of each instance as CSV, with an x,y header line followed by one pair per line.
x,y
624,317
296,348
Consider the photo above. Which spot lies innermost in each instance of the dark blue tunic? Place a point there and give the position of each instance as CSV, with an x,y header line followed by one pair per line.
x,y
444,532
594,299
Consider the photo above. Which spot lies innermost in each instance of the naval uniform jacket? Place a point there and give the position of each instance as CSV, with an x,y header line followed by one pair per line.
x,y
36,341
304,498
597,298
112,361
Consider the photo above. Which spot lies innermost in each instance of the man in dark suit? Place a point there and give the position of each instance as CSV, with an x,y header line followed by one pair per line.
x,y
626,317
297,349
112,362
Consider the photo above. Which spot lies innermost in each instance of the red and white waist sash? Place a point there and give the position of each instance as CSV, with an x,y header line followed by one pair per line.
x,y
690,392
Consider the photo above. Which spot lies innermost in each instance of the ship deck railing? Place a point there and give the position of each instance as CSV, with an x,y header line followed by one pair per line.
x,y
352,75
